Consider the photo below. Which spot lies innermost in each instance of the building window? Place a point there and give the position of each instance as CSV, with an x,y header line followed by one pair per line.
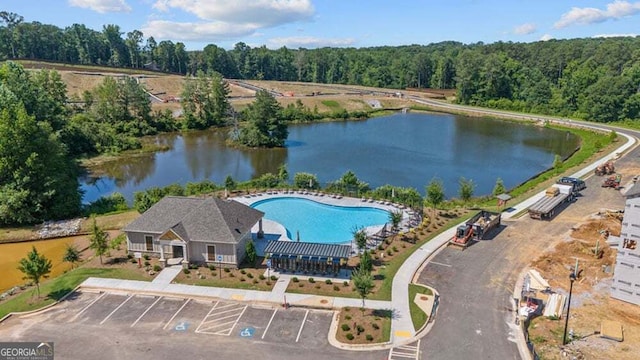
x,y
629,244
211,253
148,240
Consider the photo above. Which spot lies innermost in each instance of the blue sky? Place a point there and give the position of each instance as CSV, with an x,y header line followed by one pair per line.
x,y
317,23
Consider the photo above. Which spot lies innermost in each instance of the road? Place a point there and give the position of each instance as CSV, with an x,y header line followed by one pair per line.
x,y
475,318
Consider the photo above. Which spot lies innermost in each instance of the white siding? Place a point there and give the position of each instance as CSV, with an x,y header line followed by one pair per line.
x,y
626,278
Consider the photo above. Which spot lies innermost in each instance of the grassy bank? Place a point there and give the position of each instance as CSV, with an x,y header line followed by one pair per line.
x,y
54,289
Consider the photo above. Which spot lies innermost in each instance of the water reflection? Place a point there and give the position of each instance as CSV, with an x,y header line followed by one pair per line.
x,y
401,149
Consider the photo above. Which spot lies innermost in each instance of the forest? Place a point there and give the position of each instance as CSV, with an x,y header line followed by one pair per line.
x,y
593,78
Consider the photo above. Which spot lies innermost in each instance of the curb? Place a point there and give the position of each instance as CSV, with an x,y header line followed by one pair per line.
x,y
42,309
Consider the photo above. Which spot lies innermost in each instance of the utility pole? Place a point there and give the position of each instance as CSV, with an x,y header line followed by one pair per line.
x,y
572,277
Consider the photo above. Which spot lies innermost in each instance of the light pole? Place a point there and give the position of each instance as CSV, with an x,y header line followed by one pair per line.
x,y
572,277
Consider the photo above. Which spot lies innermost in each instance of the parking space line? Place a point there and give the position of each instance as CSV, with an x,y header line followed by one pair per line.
x,y
116,309
145,312
205,318
405,351
238,319
302,325
269,324
176,314
86,307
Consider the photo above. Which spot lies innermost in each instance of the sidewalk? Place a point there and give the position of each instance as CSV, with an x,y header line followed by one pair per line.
x,y
167,275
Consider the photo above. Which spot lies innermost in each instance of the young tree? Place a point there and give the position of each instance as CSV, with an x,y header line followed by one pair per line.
x,y
557,163
466,189
499,187
205,100
366,263
99,240
360,237
34,267
435,193
71,255
283,173
265,128
250,250
395,217
229,183
363,282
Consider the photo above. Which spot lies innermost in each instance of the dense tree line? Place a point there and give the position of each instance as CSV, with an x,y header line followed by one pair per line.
x,y
596,79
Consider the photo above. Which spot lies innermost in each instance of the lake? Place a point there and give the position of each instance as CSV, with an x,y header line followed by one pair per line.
x,y
405,150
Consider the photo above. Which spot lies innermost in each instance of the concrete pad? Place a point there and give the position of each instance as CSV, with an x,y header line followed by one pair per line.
x,y
611,330
425,303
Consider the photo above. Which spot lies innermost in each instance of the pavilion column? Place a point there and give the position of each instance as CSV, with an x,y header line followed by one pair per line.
x,y
260,231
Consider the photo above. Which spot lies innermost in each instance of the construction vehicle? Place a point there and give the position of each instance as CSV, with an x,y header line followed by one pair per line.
x,y
612,181
475,228
556,195
605,169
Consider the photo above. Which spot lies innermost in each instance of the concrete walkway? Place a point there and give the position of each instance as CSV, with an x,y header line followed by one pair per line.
x,y
167,275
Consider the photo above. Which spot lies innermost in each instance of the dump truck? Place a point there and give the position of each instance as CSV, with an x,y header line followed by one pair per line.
x,y
555,196
475,228
612,181
605,169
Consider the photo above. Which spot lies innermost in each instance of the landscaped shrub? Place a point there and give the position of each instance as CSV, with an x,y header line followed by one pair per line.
x,y
345,283
250,275
133,261
369,337
212,267
268,282
231,275
295,279
395,249
156,268
328,281
349,336
389,253
243,271
312,280
336,288
146,257
273,278
261,277
146,263
129,256
360,329
255,281
347,317
242,279
301,285
375,326
318,286
227,270
380,247
186,271
193,266
345,327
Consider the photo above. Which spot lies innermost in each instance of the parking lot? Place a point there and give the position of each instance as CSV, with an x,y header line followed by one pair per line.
x,y
115,325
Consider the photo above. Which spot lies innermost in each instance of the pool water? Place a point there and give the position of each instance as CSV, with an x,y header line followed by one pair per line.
x,y
317,222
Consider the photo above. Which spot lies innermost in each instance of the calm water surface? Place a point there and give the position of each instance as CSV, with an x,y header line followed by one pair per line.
x,y
402,149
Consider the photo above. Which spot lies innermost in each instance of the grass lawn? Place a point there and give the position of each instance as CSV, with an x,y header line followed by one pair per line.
x,y
363,326
54,289
331,104
418,316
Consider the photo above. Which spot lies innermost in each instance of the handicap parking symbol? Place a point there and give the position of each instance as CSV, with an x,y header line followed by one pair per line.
x,y
247,332
182,326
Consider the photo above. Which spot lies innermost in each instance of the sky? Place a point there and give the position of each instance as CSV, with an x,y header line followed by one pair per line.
x,y
341,23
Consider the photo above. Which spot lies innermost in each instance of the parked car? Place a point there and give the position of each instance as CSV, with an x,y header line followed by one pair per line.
x,y
578,184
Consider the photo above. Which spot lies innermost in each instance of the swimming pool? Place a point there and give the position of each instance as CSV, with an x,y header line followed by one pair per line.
x,y
317,222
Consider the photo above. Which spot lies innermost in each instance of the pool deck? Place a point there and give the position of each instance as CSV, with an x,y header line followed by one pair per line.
x,y
276,231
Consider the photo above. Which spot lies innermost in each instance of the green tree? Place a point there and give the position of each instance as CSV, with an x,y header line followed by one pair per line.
x,y
34,267
557,163
99,240
363,283
366,263
264,126
360,237
204,100
229,183
302,180
71,255
435,193
116,242
466,189
395,217
499,187
37,179
283,173
613,136
250,250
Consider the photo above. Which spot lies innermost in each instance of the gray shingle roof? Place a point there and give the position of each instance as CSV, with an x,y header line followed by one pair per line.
x,y
633,191
198,219
307,249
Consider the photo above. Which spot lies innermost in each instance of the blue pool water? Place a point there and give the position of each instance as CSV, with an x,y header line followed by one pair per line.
x,y
317,222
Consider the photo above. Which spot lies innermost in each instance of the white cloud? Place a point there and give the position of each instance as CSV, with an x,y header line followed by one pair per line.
x,y
202,31
259,13
614,35
102,6
584,16
525,29
308,42
546,37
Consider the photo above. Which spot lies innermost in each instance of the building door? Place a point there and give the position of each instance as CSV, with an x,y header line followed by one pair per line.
x,y
211,253
178,251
